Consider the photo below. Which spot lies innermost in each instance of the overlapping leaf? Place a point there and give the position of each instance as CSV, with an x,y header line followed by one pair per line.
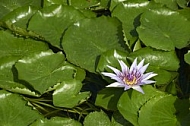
x,y
164,29
89,38
45,69
68,94
56,121
12,49
97,119
14,110
52,21
153,108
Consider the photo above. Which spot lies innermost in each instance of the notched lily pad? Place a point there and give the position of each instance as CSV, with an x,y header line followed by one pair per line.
x,y
14,110
164,29
45,69
68,94
52,21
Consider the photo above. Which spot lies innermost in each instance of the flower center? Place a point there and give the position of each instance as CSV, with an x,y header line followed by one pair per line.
x,y
130,80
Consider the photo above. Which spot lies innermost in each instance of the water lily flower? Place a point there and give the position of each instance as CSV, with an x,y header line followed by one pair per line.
x,y
132,77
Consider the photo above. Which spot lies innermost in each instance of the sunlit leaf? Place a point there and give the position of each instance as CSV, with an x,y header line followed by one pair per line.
x,y
56,121
87,39
97,119
68,94
131,101
19,17
52,21
14,110
45,69
160,59
165,29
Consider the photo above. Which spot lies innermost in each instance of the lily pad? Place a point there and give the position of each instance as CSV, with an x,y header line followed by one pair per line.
x,y
20,114
56,121
164,29
87,39
68,94
131,101
52,21
9,5
97,119
157,58
163,111
19,17
45,69
187,57
12,49
108,98
129,13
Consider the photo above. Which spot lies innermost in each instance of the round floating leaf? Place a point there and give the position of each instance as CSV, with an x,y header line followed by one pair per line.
x,y
19,16
128,13
165,111
157,58
84,3
50,2
14,110
9,5
111,58
68,94
97,119
187,57
108,98
172,4
164,29
12,49
52,21
131,101
45,69
87,39
56,121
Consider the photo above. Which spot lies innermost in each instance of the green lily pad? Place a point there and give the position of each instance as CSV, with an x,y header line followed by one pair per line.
x,y
12,49
131,101
187,57
52,21
160,59
172,4
118,120
165,29
87,39
68,94
81,4
97,119
45,69
9,5
183,3
56,121
163,111
19,17
108,98
111,58
14,110
51,2
129,13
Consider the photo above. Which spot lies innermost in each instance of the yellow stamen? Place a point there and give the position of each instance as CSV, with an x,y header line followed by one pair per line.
x,y
130,82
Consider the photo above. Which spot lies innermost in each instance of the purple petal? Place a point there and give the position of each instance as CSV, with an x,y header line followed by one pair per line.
x,y
148,76
116,84
114,69
143,69
134,65
124,67
147,82
112,76
140,65
138,88
127,87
